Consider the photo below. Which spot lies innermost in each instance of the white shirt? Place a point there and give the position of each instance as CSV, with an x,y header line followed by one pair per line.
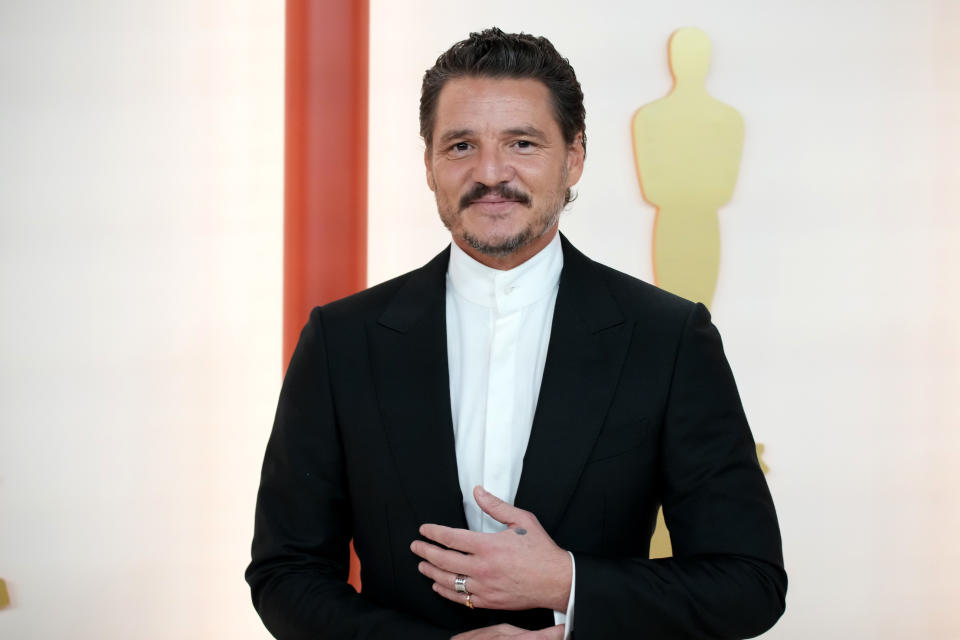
x,y
498,330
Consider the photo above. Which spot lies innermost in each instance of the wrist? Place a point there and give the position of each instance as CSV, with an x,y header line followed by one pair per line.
x,y
561,583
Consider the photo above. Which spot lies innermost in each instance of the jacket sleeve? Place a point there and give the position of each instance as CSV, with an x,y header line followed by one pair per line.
x,y
726,577
300,557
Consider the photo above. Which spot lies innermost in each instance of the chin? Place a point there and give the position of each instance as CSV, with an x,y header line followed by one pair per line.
x,y
498,245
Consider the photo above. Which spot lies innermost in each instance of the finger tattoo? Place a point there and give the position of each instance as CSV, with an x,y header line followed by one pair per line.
x,y
521,532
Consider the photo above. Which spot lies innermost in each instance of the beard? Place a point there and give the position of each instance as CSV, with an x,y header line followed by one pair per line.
x,y
498,246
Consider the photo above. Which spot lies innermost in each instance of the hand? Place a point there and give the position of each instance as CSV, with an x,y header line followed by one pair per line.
x,y
520,568
510,631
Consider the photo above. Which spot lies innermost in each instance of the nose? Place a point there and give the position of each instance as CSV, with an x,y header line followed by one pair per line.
x,y
493,166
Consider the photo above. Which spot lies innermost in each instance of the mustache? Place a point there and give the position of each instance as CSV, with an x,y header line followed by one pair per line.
x,y
504,191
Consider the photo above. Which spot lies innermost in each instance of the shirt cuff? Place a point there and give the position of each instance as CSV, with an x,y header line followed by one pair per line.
x,y
567,618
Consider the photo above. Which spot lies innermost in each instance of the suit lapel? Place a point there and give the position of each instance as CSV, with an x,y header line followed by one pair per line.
x,y
588,343
409,358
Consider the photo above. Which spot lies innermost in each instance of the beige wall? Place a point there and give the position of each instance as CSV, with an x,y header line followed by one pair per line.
x,y
140,240
839,280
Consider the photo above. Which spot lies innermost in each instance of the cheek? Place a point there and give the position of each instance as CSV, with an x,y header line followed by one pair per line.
x,y
450,183
451,175
540,171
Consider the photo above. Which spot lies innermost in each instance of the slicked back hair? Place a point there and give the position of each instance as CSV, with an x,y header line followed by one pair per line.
x,y
492,53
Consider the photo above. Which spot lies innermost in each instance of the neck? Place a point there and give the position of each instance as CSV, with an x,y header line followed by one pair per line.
x,y
689,86
514,259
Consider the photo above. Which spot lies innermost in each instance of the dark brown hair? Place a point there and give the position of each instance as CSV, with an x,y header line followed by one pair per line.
x,y
493,53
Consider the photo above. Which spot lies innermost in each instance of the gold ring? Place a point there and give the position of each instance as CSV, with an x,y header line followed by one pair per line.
x,y
469,602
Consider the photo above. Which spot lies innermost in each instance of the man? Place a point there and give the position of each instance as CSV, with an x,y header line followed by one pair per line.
x,y
497,429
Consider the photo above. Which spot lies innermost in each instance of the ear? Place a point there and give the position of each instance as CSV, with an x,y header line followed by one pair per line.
x,y
429,167
575,157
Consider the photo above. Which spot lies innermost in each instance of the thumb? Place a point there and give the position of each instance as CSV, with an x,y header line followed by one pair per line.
x,y
502,512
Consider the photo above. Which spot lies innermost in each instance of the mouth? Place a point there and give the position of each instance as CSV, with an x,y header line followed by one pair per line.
x,y
493,200
493,206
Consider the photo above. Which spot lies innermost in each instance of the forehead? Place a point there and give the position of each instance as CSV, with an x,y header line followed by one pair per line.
x,y
481,103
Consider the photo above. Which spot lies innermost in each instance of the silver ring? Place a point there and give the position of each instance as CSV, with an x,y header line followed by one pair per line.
x,y
460,584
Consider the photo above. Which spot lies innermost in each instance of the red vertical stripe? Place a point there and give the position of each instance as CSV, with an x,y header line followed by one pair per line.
x,y
325,171
325,189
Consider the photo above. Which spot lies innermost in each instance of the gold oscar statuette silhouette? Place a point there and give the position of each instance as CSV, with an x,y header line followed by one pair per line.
x,y
687,149
4,594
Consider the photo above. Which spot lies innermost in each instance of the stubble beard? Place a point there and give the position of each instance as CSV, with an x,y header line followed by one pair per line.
x,y
451,213
502,247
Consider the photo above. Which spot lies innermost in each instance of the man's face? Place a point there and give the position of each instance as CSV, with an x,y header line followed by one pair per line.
x,y
499,165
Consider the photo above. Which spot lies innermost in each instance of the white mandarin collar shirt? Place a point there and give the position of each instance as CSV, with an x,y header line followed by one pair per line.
x,y
498,330
505,292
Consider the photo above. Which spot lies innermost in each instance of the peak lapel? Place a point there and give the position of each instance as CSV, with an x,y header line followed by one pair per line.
x,y
409,354
588,343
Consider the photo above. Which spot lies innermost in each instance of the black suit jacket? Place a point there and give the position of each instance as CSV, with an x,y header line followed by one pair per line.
x,y
637,407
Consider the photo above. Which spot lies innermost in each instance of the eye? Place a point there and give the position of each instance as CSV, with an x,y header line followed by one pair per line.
x,y
524,145
460,147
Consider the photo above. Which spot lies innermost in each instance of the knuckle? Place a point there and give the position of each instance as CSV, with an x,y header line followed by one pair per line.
x,y
436,556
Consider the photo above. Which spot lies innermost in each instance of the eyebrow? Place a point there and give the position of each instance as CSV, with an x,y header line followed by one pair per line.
x,y
529,131
456,133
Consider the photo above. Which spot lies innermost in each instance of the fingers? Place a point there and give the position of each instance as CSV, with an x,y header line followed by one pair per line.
x,y
444,584
460,598
440,576
502,512
451,561
459,539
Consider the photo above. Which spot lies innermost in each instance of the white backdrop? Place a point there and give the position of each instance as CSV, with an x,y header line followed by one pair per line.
x,y
140,286
140,243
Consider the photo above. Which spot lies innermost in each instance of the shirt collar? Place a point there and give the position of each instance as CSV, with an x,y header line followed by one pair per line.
x,y
510,290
